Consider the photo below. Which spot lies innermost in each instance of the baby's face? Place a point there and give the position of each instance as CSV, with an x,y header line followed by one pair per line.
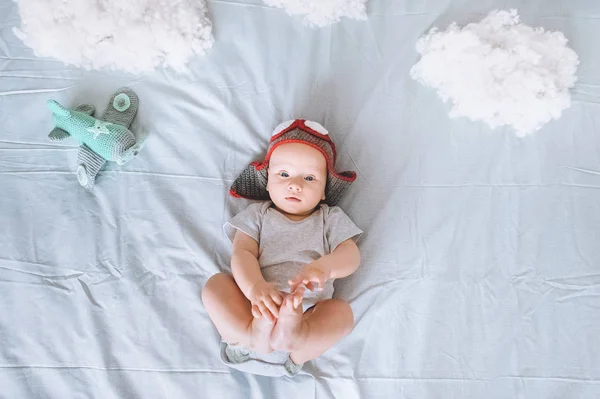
x,y
297,178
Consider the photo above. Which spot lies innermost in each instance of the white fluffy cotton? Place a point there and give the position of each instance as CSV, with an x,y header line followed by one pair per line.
x,y
322,12
499,71
129,35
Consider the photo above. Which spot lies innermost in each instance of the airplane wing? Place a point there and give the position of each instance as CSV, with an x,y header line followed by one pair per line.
x,y
88,165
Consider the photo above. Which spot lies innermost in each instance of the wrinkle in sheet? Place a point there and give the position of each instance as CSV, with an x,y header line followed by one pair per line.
x,y
4,75
39,269
104,279
580,297
43,284
56,284
582,280
88,294
155,255
25,145
48,149
34,91
502,377
60,281
243,4
110,268
591,172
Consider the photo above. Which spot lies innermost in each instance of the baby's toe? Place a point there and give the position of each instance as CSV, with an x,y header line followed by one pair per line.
x,y
290,302
300,291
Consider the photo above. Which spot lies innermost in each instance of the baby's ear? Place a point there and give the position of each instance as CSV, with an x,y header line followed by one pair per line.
x,y
267,187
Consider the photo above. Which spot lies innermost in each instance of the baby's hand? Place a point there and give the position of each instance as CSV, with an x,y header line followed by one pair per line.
x,y
312,273
297,295
265,299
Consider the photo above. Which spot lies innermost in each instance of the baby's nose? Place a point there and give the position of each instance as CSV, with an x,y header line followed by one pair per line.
x,y
295,186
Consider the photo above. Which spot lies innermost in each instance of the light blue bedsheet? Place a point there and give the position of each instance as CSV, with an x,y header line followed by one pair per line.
x,y
481,259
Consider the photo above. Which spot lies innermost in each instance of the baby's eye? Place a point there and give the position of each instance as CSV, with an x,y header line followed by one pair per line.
x,y
284,174
309,178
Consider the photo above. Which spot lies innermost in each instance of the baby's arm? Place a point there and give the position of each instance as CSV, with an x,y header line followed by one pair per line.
x,y
244,262
265,297
342,262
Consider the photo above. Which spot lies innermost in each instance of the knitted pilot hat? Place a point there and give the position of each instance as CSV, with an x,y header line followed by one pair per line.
x,y
252,182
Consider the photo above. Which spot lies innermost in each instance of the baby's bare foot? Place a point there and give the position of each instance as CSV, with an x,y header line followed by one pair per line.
x,y
290,331
260,332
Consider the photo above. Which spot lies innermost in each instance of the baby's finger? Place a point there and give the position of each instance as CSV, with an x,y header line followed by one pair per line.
x,y
256,312
299,291
273,309
294,284
265,312
310,285
297,301
297,296
277,298
309,279
296,280
321,283
315,281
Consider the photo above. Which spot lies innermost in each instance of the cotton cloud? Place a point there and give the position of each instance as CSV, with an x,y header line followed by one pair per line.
x,y
499,71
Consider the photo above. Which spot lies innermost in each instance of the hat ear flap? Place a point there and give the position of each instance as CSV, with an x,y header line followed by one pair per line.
x,y
337,184
251,183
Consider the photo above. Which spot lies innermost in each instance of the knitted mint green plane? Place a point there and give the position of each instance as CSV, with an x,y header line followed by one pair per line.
x,y
104,139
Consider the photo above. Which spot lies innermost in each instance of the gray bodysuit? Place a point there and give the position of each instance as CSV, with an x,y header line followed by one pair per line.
x,y
285,247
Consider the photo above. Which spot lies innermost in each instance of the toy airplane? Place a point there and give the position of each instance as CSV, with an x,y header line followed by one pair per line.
x,y
104,139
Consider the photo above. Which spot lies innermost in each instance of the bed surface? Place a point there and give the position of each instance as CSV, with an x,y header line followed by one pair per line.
x,y
480,273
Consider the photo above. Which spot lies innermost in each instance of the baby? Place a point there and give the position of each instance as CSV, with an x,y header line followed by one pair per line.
x,y
276,312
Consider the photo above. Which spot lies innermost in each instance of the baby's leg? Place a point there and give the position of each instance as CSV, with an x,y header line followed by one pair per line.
x,y
230,311
306,336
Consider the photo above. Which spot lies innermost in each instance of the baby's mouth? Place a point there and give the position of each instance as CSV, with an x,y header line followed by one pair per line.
x,y
293,199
